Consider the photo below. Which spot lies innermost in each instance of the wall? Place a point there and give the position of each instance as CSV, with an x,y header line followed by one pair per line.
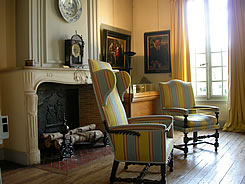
x,y
41,31
148,16
117,14
58,30
7,34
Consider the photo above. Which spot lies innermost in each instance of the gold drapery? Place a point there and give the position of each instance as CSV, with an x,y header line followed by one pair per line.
x,y
180,55
236,109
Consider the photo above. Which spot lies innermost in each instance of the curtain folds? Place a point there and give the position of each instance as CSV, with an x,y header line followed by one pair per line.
x,y
236,22
180,55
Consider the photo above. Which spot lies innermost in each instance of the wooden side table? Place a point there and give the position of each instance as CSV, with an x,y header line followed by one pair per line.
x,y
142,104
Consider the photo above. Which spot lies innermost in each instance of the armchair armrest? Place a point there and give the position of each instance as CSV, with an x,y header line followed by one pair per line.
x,y
207,107
153,122
120,131
179,110
151,119
142,127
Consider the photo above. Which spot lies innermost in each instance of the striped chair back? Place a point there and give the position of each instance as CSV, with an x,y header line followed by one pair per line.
x,y
107,95
176,93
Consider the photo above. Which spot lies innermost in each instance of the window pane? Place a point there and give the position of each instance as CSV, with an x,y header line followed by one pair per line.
x,y
216,88
216,74
201,88
216,59
225,90
200,60
225,73
218,18
225,58
196,23
193,74
201,74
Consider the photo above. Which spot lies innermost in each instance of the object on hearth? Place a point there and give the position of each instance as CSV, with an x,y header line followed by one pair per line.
x,y
74,49
66,148
84,134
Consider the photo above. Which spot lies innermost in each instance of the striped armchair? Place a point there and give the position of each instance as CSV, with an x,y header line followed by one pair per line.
x,y
141,140
177,99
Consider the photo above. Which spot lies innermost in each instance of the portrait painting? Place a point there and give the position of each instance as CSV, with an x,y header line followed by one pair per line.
x,y
157,52
116,44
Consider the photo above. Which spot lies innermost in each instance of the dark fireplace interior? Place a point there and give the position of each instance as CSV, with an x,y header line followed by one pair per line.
x,y
75,103
56,102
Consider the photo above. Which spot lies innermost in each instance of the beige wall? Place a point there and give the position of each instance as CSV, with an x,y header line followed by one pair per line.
x,y
148,16
7,34
14,80
42,38
58,30
115,13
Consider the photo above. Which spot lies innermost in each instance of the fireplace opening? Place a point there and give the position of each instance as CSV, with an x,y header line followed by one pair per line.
x,y
56,102
78,104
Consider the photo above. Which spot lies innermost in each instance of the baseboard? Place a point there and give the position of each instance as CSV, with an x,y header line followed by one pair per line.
x,y
15,156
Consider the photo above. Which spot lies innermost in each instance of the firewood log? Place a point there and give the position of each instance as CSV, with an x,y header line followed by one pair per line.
x,y
51,136
83,129
90,136
57,143
47,143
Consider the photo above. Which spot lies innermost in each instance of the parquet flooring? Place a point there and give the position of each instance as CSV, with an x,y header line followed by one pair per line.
x,y
202,165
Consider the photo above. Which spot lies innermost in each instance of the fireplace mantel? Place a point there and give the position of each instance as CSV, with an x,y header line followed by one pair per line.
x,y
19,101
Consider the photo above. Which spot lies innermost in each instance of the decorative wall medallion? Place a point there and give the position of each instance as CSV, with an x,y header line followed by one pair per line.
x,y
71,10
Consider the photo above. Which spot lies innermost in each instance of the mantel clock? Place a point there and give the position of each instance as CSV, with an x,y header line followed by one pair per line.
x,y
74,49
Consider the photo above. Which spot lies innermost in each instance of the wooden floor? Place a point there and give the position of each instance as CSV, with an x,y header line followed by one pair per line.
x,y
202,165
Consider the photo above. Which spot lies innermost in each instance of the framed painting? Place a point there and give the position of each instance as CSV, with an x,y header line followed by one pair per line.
x,y
157,52
115,45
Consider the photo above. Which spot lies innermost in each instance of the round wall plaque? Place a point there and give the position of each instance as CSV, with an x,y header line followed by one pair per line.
x,y
70,10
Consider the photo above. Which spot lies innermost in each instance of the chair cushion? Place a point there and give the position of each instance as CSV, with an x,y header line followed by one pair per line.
x,y
195,122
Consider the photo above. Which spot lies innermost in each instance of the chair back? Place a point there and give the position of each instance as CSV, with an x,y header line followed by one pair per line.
x,y
109,89
176,93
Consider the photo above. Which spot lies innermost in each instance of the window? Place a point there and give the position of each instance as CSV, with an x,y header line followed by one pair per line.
x,y
208,39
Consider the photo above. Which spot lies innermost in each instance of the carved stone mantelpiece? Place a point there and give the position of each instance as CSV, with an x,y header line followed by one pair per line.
x,y
21,106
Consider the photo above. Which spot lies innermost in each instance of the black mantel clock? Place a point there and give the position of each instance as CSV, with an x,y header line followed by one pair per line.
x,y
74,49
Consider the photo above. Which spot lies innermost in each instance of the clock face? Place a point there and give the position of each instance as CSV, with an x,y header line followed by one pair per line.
x,y
75,50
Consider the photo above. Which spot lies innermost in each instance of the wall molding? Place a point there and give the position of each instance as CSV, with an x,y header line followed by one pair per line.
x,y
93,44
38,33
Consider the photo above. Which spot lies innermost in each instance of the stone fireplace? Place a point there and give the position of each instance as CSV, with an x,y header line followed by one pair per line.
x,y
20,103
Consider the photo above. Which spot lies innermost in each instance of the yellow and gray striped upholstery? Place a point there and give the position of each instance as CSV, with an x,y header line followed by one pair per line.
x,y
154,144
176,93
179,94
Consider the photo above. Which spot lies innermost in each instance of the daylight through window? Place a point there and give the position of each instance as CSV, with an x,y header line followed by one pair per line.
x,y
208,38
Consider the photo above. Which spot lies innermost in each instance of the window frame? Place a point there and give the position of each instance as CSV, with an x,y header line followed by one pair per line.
x,y
208,65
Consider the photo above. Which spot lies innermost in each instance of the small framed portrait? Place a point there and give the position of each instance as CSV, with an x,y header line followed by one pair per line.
x,y
115,45
157,52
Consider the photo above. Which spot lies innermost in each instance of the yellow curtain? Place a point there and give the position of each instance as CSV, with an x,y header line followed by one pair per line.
x,y
236,18
180,55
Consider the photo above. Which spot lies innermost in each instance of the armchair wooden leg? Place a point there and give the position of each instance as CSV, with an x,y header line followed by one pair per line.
x,y
194,138
216,144
163,174
171,161
186,140
126,165
113,171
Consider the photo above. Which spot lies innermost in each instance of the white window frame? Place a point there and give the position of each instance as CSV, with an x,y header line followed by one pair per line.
x,y
209,67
